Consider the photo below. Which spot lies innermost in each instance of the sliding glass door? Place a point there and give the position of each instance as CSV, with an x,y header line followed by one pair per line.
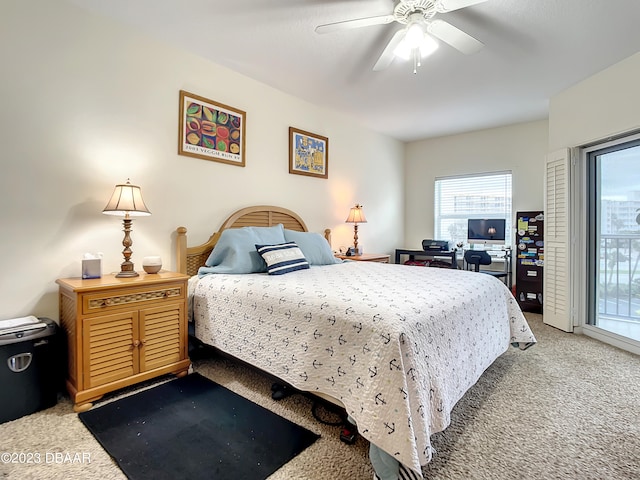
x,y
613,239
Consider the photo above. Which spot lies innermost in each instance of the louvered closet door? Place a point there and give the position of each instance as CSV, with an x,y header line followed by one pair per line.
x,y
109,348
161,336
556,288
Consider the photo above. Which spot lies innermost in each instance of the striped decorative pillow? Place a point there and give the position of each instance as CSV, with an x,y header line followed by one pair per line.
x,y
282,258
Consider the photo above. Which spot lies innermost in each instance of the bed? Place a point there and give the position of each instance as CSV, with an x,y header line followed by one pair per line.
x,y
396,345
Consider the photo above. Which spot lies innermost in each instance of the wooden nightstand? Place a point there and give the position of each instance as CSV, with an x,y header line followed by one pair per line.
x,y
121,331
366,257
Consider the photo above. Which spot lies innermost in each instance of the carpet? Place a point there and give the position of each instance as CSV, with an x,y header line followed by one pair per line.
x,y
566,409
191,427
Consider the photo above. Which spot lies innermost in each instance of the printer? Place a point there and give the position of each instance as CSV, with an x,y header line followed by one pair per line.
x,y
435,245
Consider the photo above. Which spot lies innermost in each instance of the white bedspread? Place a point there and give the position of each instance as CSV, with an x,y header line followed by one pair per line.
x,y
397,345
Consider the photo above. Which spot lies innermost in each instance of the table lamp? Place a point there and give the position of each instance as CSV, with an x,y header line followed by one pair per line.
x,y
127,201
356,216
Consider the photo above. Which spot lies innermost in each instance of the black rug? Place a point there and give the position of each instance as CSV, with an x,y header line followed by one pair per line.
x,y
193,428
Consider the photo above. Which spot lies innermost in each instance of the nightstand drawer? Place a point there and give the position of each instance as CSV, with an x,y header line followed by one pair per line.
x,y
114,299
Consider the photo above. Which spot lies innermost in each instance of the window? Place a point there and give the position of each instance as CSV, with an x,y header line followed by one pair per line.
x,y
470,196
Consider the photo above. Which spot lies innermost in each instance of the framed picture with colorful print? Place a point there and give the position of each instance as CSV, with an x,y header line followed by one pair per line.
x,y
308,153
210,130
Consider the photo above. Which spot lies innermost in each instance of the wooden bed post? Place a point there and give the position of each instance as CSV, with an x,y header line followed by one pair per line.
x,y
327,235
181,250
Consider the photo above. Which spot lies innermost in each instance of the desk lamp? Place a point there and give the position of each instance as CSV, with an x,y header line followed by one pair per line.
x,y
356,216
126,201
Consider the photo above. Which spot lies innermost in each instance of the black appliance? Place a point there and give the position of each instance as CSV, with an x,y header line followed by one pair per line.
x,y
31,367
435,245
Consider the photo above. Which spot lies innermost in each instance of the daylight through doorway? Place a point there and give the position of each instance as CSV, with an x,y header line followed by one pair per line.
x,y
614,238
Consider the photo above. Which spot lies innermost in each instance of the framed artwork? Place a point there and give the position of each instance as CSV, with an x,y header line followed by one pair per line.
x,y
308,153
210,130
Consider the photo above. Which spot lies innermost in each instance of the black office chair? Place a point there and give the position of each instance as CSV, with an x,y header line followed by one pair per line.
x,y
480,257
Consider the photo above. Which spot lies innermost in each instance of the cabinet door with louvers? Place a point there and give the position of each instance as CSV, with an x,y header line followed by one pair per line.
x,y
161,336
108,348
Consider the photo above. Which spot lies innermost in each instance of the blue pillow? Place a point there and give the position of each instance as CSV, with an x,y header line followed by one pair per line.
x,y
235,251
282,258
314,247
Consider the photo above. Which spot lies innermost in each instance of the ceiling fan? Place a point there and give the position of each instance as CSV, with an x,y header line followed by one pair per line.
x,y
415,40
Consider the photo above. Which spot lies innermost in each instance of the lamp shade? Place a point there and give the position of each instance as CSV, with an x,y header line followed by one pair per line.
x,y
126,200
356,215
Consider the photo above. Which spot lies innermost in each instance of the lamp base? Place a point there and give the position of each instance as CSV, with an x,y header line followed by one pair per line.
x,y
127,274
126,270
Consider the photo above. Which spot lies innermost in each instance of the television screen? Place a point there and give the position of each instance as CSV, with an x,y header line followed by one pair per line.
x,y
486,230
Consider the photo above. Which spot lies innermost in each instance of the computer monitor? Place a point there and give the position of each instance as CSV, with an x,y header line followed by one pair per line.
x,y
487,231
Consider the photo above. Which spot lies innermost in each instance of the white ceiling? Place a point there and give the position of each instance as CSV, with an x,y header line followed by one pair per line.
x,y
533,50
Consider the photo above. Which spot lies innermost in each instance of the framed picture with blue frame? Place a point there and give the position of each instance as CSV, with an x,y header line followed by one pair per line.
x,y
308,153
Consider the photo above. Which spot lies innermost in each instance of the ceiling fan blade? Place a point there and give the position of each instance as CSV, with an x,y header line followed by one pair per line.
x,y
451,5
454,37
387,54
357,23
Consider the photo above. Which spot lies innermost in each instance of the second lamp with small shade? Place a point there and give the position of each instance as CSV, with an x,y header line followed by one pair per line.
x,y
356,216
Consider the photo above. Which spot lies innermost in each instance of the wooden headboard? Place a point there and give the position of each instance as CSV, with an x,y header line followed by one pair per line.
x,y
189,259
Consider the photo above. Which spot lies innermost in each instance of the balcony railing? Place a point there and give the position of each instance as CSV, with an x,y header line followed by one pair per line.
x,y
619,280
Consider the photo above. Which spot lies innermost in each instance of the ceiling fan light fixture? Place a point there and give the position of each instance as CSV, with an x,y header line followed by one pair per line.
x,y
428,46
405,50
414,36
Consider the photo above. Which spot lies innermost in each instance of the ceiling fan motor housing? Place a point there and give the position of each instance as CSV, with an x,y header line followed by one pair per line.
x,y
406,11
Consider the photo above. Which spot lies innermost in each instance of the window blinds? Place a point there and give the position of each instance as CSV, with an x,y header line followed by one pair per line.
x,y
470,196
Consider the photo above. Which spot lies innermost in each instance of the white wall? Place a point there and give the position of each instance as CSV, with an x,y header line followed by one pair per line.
x,y
602,106
520,148
87,103
599,108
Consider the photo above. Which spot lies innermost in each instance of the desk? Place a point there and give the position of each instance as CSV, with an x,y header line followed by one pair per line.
x,y
451,254
498,256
